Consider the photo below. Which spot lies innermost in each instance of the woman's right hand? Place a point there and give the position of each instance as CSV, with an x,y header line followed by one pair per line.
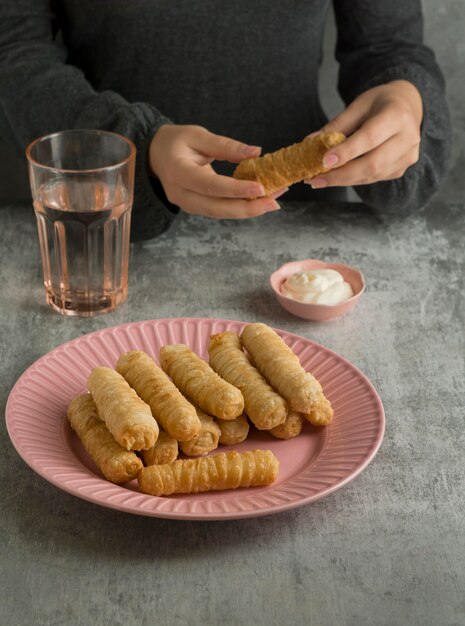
x,y
181,156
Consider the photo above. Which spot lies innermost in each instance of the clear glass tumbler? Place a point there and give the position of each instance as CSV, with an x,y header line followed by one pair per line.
x,y
82,184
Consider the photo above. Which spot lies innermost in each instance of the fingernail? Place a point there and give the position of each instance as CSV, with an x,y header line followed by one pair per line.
x,y
318,183
273,206
330,160
255,192
280,193
250,150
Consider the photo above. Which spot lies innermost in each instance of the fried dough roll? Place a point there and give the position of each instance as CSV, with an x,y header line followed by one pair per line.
x,y
281,367
116,464
291,428
211,473
165,450
169,407
127,417
233,431
207,439
200,383
263,405
289,165
321,414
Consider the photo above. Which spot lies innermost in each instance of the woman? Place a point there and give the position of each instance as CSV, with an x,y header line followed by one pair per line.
x,y
190,81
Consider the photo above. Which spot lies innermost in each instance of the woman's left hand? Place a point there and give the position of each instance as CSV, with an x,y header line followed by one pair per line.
x,y
383,129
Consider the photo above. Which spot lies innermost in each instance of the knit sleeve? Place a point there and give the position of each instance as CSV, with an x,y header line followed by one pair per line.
x,y
41,93
379,42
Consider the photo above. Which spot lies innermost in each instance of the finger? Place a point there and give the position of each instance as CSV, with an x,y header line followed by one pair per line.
x,y
314,134
348,120
373,133
224,148
372,167
353,178
225,208
205,181
404,164
397,174
279,193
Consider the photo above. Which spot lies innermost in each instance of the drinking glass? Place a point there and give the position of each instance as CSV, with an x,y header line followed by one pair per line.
x,y
82,184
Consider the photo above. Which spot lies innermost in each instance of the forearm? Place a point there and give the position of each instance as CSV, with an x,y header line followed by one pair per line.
x,y
383,45
423,179
41,93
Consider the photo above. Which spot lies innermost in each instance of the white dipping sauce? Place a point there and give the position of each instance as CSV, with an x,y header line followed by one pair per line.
x,y
317,287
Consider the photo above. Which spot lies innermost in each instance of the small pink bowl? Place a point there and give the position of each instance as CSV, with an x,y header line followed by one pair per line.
x,y
317,312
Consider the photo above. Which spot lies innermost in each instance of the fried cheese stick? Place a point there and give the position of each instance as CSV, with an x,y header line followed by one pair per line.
x,y
127,417
196,379
321,414
289,165
207,439
291,428
281,367
116,464
211,473
169,407
165,450
263,405
233,431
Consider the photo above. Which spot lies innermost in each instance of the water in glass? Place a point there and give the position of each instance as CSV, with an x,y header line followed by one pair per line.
x,y
84,245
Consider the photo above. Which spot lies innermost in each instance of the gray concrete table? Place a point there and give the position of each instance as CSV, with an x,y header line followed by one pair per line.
x,y
388,548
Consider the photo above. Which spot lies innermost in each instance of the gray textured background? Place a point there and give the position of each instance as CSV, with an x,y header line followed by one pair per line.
x,y
385,550
444,28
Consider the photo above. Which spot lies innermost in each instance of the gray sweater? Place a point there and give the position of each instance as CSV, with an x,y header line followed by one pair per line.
x,y
243,68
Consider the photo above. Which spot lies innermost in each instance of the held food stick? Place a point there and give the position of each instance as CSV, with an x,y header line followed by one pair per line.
x,y
165,450
169,407
200,383
291,428
127,417
289,165
233,431
116,464
281,367
211,473
263,405
207,439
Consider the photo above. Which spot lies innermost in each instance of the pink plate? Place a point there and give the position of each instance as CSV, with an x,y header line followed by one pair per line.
x,y
312,465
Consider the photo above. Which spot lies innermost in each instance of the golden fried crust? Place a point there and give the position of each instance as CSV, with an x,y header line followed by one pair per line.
x,y
289,165
207,439
127,417
263,405
281,367
165,450
233,431
291,428
321,414
116,464
200,383
169,407
211,473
